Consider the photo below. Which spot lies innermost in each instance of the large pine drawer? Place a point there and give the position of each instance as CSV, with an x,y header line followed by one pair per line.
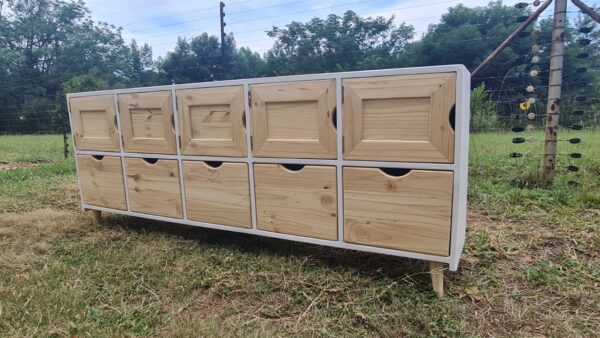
x,y
153,186
101,181
404,210
217,192
297,200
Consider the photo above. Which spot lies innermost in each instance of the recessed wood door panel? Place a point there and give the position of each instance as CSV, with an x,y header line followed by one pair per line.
x,y
294,119
400,118
94,123
217,193
211,121
147,122
153,187
299,202
101,181
411,212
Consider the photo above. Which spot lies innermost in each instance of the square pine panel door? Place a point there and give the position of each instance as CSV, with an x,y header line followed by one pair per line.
x,y
410,211
147,122
403,118
94,123
294,119
211,121
297,200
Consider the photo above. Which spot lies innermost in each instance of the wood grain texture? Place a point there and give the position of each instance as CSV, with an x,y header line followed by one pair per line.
x,y
300,203
294,119
399,118
147,122
217,195
411,212
211,121
93,120
101,181
436,269
154,188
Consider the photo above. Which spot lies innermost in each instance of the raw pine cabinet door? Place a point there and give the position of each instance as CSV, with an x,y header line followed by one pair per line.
x,y
405,118
217,192
294,119
297,200
211,121
153,186
101,181
94,123
147,122
400,210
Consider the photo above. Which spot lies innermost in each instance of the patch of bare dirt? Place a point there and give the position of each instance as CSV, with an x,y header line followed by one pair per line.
x,y
19,165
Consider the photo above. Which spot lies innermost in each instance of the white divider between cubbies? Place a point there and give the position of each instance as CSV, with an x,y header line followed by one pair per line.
x,y
275,160
179,160
249,158
121,150
340,157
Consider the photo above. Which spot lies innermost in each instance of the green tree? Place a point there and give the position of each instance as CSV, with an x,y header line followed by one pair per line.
x,y
483,115
141,70
199,59
43,44
196,60
467,35
337,43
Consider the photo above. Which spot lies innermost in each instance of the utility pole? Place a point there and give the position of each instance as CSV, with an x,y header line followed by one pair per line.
x,y
556,74
221,6
554,89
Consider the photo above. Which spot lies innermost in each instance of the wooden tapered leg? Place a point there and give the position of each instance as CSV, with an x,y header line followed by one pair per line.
x,y
97,215
436,270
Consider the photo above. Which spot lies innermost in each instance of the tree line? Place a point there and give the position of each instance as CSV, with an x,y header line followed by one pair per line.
x,y
52,47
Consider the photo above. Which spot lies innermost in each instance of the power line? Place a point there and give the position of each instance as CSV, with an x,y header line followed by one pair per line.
x,y
159,18
212,16
431,43
321,8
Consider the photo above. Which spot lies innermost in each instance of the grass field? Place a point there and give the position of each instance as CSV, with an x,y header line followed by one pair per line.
x,y
531,265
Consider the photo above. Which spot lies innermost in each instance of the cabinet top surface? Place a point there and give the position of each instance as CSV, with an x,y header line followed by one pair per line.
x,y
321,76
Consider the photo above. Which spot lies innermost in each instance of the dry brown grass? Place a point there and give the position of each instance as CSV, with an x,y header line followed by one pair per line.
x,y
170,280
530,269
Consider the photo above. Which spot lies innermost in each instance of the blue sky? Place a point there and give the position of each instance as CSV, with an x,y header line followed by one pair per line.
x,y
160,22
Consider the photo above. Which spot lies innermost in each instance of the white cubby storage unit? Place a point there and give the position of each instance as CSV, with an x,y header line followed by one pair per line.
x,y
373,161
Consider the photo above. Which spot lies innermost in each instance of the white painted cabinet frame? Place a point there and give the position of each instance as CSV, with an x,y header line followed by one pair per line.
x,y
459,165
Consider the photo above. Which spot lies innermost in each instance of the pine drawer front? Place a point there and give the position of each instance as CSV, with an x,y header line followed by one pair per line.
x,y
211,121
217,193
154,188
147,122
94,123
101,181
294,119
301,202
404,118
411,212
